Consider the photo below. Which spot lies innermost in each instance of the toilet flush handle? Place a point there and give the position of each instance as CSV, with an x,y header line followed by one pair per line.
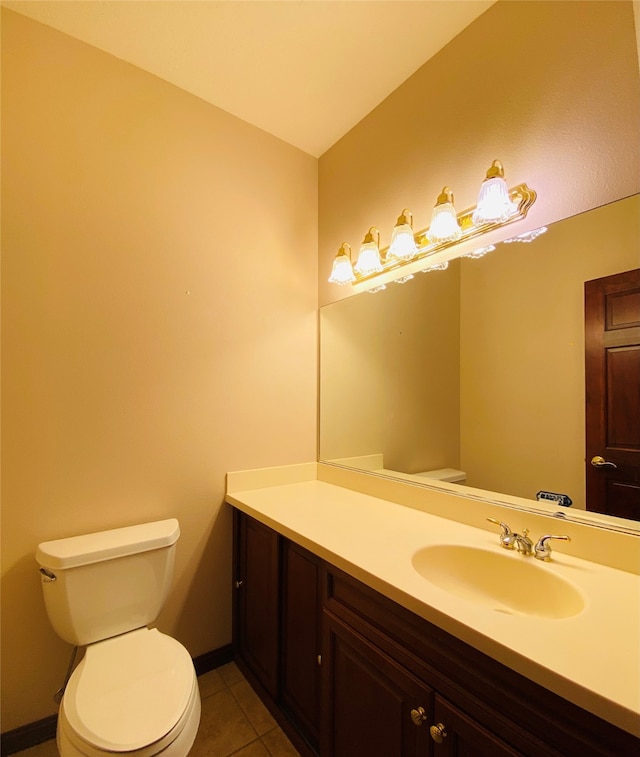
x,y
47,575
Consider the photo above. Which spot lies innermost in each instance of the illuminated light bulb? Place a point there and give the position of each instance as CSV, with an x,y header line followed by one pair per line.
x,y
342,272
403,245
369,256
444,221
494,203
403,279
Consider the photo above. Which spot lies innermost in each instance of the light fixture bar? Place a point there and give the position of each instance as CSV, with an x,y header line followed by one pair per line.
x,y
522,198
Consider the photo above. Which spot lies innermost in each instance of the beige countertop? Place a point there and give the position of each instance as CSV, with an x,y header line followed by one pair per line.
x,y
592,658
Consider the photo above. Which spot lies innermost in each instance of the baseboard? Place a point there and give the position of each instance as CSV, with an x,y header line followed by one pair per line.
x,y
210,660
36,733
28,735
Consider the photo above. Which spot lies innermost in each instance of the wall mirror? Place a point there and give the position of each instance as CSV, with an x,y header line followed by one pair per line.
x,y
477,370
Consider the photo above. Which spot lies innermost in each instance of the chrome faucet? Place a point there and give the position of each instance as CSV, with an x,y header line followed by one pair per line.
x,y
508,539
524,544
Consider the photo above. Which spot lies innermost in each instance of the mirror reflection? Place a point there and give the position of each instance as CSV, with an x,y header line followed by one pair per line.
x,y
475,374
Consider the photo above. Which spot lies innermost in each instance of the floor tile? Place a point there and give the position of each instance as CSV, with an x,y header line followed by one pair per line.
x,y
279,745
230,673
255,749
210,683
252,706
224,727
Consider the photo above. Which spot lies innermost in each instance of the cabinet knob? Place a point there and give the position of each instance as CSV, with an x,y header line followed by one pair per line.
x,y
418,715
239,584
438,733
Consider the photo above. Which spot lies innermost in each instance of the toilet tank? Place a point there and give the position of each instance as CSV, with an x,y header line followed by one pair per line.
x,y
103,584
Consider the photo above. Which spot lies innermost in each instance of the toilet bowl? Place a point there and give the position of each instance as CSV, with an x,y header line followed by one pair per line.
x,y
135,692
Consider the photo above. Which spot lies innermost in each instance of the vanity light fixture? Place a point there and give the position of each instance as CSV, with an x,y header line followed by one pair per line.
x,y
369,257
342,272
444,219
447,229
403,244
494,203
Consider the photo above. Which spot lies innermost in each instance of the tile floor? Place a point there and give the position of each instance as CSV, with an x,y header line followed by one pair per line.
x,y
234,722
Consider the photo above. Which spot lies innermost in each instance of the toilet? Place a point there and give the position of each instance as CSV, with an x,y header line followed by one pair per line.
x,y
135,690
451,475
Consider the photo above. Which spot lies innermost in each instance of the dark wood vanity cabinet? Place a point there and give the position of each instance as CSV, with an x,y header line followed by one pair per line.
x,y
277,623
372,706
391,684
257,599
301,641
378,692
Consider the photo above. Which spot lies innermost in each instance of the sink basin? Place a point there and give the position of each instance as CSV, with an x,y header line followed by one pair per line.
x,y
506,582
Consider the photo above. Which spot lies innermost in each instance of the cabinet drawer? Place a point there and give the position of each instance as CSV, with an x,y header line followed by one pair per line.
x,y
456,735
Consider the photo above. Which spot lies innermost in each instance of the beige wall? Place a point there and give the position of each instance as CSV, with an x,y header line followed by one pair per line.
x,y
536,84
159,328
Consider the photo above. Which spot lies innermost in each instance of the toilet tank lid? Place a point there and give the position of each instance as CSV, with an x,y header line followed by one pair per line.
x,y
75,551
444,474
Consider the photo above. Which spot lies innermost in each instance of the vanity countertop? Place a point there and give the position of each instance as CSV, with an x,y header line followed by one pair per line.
x,y
592,658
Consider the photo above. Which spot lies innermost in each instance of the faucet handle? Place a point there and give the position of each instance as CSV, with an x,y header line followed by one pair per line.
x,y
507,538
542,548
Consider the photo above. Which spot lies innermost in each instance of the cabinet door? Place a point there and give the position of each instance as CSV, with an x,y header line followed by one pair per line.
x,y
257,600
371,705
300,681
454,734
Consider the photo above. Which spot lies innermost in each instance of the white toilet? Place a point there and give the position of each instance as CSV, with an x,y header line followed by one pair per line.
x,y
452,475
135,690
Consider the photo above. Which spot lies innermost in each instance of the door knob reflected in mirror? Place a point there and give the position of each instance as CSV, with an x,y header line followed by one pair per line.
x,y
600,462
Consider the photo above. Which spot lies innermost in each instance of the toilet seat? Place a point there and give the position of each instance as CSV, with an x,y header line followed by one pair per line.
x,y
130,693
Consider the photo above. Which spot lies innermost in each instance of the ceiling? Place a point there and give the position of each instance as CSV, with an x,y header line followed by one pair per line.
x,y
305,71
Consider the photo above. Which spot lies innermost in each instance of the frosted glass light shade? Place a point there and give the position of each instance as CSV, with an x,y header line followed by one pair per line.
x,y
494,204
444,224
403,245
342,271
368,259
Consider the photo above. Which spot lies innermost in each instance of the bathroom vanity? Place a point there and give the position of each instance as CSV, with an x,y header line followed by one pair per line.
x,y
356,652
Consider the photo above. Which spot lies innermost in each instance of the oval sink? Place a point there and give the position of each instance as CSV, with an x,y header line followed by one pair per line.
x,y
506,582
